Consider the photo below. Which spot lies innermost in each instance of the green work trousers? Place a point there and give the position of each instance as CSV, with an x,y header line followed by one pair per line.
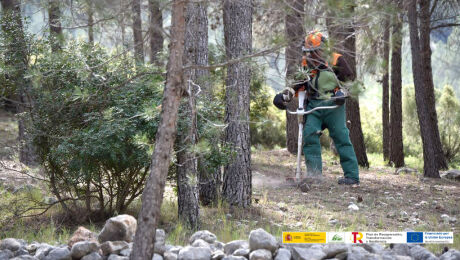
x,y
334,120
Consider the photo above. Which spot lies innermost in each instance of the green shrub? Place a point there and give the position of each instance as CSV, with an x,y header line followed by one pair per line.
x,y
94,121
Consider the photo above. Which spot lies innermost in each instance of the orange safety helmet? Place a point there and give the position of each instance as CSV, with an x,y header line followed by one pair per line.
x,y
314,41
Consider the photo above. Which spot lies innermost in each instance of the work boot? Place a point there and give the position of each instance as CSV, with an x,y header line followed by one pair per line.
x,y
347,181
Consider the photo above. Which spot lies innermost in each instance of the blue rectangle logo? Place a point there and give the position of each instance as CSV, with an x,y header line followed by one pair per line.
x,y
414,237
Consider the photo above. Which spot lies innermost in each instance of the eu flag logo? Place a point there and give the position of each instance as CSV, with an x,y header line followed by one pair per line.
x,y
414,237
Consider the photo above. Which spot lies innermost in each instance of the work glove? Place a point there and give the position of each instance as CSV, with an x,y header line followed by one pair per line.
x,y
279,102
339,97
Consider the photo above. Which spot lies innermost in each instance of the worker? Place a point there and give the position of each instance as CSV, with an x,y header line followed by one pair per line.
x,y
324,75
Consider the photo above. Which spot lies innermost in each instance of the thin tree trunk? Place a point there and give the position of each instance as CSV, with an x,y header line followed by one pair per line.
x,y
152,196
13,30
54,19
187,169
294,31
433,156
90,22
155,30
396,143
137,32
386,92
237,185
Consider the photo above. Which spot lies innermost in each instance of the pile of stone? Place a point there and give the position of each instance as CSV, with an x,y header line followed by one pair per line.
x,y
114,242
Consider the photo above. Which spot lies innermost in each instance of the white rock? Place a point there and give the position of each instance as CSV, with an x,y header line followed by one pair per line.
x,y
232,246
260,254
170,256
283,254
83,248
117,257
217,255
10,244
452,254
59,254
119,228
157,257
353,207
200,243
261,239
92,256
194,253
418,252
313,253
205,235
241,252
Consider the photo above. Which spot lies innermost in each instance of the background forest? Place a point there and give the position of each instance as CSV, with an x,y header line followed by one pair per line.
x,y
91,93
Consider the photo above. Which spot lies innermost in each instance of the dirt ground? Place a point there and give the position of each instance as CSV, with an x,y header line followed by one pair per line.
x,y
386,202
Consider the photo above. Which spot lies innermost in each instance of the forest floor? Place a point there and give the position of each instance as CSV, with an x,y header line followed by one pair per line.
x,y
386,202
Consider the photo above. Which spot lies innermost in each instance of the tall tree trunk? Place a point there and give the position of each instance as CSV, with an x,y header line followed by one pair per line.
x,y
237,186
17,60
433,157
152,196
386,91
396,144
90,22
294,32
54,19
196,50
137,32
155,30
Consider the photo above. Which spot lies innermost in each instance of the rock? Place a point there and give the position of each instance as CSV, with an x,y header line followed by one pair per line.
x,y
445,218
405,170
260,254
113,247
452,175
157,257
32,248
391,215
24,257
359,253
333,222
421,253
242,252
353,207
194,253
204,235
92,256
119,228
6,254
42,251
401,249
283,254
403,214
312,253
169,256
117,257
125,252
160,237
232,246
175,249
21,251
200,243
331,250
232,257
83,248
217,246
217,255
452,254
10,244
261,239
373,248
59,254
82,234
